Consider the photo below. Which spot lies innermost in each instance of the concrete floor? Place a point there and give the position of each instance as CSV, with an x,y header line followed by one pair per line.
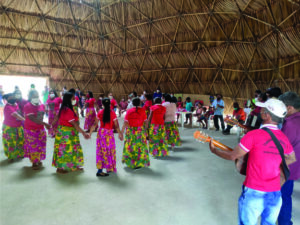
x,y
190,187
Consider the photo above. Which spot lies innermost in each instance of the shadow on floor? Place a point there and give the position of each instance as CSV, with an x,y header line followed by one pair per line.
x,y
27,172
114,180
184,149
170,158
8,162
144,171
71,178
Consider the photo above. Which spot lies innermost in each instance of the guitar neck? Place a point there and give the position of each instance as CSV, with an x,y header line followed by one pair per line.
x,y
235,123
222,146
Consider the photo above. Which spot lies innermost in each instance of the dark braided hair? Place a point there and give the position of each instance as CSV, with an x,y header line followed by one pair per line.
x,y
136,102
106,115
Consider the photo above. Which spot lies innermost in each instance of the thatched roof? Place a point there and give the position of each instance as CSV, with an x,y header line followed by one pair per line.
x,y
183,46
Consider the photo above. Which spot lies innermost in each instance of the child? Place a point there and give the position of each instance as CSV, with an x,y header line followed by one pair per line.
x,y
157,132
188,107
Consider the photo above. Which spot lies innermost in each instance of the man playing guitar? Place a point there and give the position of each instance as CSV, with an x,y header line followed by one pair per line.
x,y
261,194
238,114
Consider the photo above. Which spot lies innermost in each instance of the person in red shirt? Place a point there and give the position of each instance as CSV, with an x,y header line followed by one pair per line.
x,y
52,106
68,154
113,103
261,196
238,114
106,145
34,131
157,132
135,151
75,102
90,113
12,129
148,104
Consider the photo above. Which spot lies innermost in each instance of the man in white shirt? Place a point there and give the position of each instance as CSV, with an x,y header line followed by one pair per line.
x,y
218,105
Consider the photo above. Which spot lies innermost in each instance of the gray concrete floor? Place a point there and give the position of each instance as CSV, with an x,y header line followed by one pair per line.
x,y
190,187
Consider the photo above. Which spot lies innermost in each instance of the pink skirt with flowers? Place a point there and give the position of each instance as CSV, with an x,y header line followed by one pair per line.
x,y
35,145
158,140
90,118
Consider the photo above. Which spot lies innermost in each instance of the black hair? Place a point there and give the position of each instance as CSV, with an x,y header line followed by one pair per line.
x,y
236,104
204,109
134,94
148,96
220,95
7,96
263,97
168,98
72,90
136,102
67,103
54,92
91,94
157,100
106,114
291,99
274,92
188,99
258,92
173,99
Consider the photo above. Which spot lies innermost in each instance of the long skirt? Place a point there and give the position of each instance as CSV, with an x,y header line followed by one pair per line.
x,y
68,154
52,114
75,108
35,145
158,140
90,118
172,132
13,141
106,150
135,152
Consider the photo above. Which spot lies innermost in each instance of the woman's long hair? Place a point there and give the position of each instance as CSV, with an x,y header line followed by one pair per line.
x,y
67,103
106,115
90,94
136,102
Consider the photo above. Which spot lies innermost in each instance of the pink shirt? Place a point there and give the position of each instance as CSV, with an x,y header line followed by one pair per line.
x,y
67,116
37,111
158,112
109,125
263,167
170,111
147,105
21,103
9,120
91,103
54,103
113,103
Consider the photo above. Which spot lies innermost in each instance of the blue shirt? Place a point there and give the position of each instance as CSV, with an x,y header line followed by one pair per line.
x,y
157,95
189,106
218,110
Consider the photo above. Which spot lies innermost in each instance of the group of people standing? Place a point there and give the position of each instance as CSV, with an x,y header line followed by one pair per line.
x,y
24,130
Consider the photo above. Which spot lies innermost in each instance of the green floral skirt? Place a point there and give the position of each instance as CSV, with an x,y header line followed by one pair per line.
x,y
158,140
13,141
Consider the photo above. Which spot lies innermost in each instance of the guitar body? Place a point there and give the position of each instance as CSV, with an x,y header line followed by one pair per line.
x,y
241,164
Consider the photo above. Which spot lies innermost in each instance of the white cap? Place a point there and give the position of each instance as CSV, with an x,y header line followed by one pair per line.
x,y
275,106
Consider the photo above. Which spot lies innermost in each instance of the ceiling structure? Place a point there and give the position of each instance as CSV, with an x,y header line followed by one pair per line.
x,y
183,46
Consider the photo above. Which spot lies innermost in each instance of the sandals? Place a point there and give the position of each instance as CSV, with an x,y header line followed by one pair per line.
x,y
102,174
37,166
61,171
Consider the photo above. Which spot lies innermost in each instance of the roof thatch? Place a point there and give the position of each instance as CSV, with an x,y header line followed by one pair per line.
x,y
183,46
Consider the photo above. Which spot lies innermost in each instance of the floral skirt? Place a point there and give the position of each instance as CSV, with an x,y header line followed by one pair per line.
x,y
158,140
135,152
90,118
75,108
51,117
13,141
35,145
172,132
68,154
106,150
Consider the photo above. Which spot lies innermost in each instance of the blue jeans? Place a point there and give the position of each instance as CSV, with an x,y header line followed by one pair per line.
x,y
285,215
253,203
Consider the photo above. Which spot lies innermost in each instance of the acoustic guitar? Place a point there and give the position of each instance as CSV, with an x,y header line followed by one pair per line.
x,y
241,163
233,122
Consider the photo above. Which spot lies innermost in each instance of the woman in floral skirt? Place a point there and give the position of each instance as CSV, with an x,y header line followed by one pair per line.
x,y
68,155
34,131
157,133
12,129
106,146
52,106
90,114
172,132
135,152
